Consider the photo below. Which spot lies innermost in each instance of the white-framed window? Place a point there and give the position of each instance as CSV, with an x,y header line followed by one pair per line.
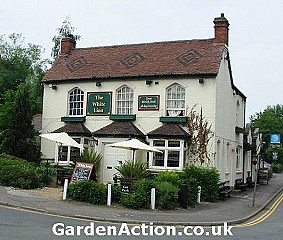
x,y
238,158
67,154
175,100
76,102
125,97
172,156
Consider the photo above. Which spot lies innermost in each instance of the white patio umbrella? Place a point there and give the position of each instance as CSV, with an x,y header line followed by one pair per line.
x,y
62,138
133,144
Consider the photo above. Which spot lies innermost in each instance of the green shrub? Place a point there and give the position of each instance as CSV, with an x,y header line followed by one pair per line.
x,y
88,191
138,198
207,178
116,193
136,170
41,173
277,167
166,195
167,176
17,172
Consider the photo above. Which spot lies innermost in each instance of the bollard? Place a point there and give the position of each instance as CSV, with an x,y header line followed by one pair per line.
x,y
65,189
109,194
152,198
199,193
183,195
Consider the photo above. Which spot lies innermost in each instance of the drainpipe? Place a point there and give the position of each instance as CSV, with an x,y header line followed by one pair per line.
x,y
243,178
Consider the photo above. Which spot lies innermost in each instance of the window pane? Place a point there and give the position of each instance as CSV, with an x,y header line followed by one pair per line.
x,y
174,144
158,159
173,159
125,97
159,143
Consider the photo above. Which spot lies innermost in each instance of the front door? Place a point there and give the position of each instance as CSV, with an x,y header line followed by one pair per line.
x,y
111,158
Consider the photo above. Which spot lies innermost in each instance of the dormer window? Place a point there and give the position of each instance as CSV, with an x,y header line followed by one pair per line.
x,y
76,102
175,102
125,96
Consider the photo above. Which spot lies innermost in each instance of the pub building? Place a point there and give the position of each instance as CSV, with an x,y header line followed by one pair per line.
x,y
103,95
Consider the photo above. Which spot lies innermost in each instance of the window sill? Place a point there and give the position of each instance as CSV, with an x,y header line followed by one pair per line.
x,y
173,119
72,119
122,117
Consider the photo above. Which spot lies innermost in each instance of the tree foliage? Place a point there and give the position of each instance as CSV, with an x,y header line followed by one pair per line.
x,y
66,30
270,121
17,135
21,63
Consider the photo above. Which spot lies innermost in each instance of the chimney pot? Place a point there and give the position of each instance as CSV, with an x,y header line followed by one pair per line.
x,y
67,44
221,28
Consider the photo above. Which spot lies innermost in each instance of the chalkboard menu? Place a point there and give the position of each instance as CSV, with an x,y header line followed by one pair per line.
x,y
263,176
82,172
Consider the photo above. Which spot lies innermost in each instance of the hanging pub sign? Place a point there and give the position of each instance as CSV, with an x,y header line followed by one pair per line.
x,y
99,103
82,172
148,102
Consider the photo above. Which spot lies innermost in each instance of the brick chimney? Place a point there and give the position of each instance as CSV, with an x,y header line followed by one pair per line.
x,y
221,28
67,44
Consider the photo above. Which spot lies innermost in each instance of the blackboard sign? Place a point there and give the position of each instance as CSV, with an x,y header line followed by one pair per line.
x,y
82,172
263,176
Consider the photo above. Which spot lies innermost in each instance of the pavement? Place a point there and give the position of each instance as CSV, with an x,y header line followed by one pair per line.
x,y
234,210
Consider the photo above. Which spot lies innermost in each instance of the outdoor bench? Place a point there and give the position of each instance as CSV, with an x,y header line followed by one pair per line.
x,y
239,185
223,190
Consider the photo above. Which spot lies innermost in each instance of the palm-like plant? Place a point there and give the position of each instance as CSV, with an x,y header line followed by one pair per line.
x,y
136,170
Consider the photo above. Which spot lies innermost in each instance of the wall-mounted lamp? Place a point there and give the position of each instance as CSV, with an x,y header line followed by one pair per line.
x,y
53,86
201,81
92,142
148,82
98,83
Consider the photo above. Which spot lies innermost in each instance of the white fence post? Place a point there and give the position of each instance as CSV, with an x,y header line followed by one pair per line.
x,y
109,194
199,193
65,189
152,197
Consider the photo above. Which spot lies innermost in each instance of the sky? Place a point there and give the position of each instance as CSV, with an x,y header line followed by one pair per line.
x,y
255,35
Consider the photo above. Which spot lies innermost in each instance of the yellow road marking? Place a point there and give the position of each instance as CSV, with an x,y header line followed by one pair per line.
x,y
265,215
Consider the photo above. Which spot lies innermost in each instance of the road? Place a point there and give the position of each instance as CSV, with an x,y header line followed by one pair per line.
x,y
21,224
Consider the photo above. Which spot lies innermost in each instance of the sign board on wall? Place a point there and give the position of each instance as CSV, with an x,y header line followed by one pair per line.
x,y
82,172
99,103
148,102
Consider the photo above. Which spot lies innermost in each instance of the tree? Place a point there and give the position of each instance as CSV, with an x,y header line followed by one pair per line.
x,y
21,63
66,30
200,130
17,134
270,121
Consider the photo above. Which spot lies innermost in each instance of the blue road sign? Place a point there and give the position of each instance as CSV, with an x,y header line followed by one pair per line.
x,y
275,138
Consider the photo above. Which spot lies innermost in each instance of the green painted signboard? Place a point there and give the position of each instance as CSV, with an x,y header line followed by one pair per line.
x,y
148,102
99,103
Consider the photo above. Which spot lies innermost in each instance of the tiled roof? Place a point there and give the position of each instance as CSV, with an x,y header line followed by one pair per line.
x,y
188,57
74,128
119,129
169,130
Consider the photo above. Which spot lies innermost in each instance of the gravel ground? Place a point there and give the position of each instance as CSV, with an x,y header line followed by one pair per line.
x,y
48,192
